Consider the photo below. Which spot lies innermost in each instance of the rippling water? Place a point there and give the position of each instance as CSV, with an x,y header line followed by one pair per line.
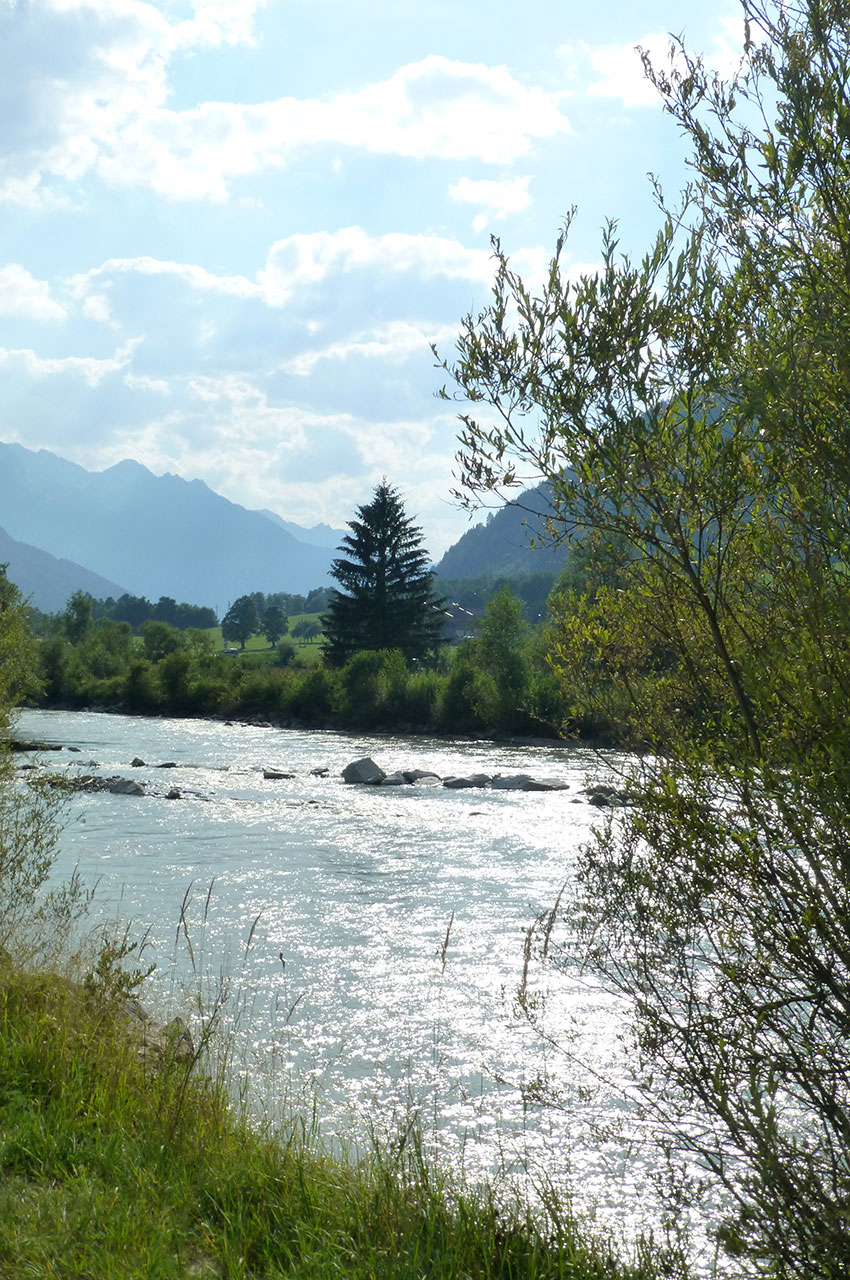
x,y
372,1016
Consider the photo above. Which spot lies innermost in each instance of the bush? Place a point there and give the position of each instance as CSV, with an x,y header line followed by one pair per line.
x,y
315,696
141,686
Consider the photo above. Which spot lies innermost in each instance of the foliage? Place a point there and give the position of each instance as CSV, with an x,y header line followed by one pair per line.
x,y
175,671
118,1161
160,639
387,600
599,559
314,696
468,689
285,653
141,689
18,662
694,405
499,659
466,598
77,618
307,629
34,920
241,620
274,623
291,602
138,609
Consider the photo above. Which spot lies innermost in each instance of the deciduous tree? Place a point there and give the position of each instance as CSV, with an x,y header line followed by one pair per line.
x,y
274,623
34,921
696,405
241,621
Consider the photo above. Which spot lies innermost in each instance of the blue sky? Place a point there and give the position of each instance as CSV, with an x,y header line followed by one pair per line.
x,y
230,229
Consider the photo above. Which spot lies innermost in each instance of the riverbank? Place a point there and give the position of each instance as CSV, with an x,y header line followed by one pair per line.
x,y
458,694
120,1163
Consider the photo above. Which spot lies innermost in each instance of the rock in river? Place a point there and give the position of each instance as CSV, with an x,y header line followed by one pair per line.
x,y
363,771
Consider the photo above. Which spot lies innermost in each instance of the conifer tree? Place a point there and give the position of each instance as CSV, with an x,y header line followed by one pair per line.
x,y
386,597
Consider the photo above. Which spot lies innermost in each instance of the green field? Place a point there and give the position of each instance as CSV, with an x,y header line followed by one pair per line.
x,y
258,644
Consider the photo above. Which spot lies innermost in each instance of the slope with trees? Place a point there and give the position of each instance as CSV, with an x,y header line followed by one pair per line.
x,y
701,397
510,542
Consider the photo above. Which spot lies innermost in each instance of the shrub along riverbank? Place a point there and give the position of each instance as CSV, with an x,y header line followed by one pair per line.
x,y
499,681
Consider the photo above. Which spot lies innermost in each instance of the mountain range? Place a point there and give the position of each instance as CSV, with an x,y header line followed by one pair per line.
x,y
125,529
63,528
48,580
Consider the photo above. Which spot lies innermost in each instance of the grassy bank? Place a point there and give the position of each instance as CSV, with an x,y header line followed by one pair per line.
x,y
123,1163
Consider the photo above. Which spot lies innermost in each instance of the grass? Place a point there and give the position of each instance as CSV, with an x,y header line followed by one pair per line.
x,y
309,651
254,644
116,1162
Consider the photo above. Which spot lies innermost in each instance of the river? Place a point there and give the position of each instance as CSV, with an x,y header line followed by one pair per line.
x,y
370,939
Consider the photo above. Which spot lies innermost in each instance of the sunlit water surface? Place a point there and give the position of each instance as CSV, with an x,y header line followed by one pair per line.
x,y
324,909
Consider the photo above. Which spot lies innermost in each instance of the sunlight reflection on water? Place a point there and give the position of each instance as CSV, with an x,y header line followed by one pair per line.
x,y
356,888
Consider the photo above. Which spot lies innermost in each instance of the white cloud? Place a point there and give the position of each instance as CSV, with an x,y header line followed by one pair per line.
x,y
22,295
217,22
137,382
77,75
434,108
85,84
227,430
196,278
96,307
305,260
729,43
620,70
442,108
495,199
393,343
90,369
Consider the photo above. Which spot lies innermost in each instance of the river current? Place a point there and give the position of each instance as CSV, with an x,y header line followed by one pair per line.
x,y
369,940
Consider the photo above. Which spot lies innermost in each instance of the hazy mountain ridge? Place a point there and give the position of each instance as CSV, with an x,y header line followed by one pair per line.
x,y
319,535
71,529
160,535
47,581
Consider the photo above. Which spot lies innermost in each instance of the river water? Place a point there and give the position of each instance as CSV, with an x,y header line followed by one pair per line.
x,y
370,939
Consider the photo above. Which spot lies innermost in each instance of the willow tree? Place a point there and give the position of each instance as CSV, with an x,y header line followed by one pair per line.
x,y
34,921
386,597
696,404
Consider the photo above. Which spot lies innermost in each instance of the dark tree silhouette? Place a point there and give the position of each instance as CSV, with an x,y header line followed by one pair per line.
x,y
274,623
240,621
386,598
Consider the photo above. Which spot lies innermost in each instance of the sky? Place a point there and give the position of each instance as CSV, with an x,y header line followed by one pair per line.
x,y
231,229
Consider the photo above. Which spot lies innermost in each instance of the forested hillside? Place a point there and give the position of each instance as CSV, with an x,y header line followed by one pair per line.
x,y
501,546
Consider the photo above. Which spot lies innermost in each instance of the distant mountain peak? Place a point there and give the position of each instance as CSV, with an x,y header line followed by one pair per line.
x,y
161,535
321,535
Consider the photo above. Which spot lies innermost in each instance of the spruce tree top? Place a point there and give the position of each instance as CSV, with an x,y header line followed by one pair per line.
x,y
386,597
